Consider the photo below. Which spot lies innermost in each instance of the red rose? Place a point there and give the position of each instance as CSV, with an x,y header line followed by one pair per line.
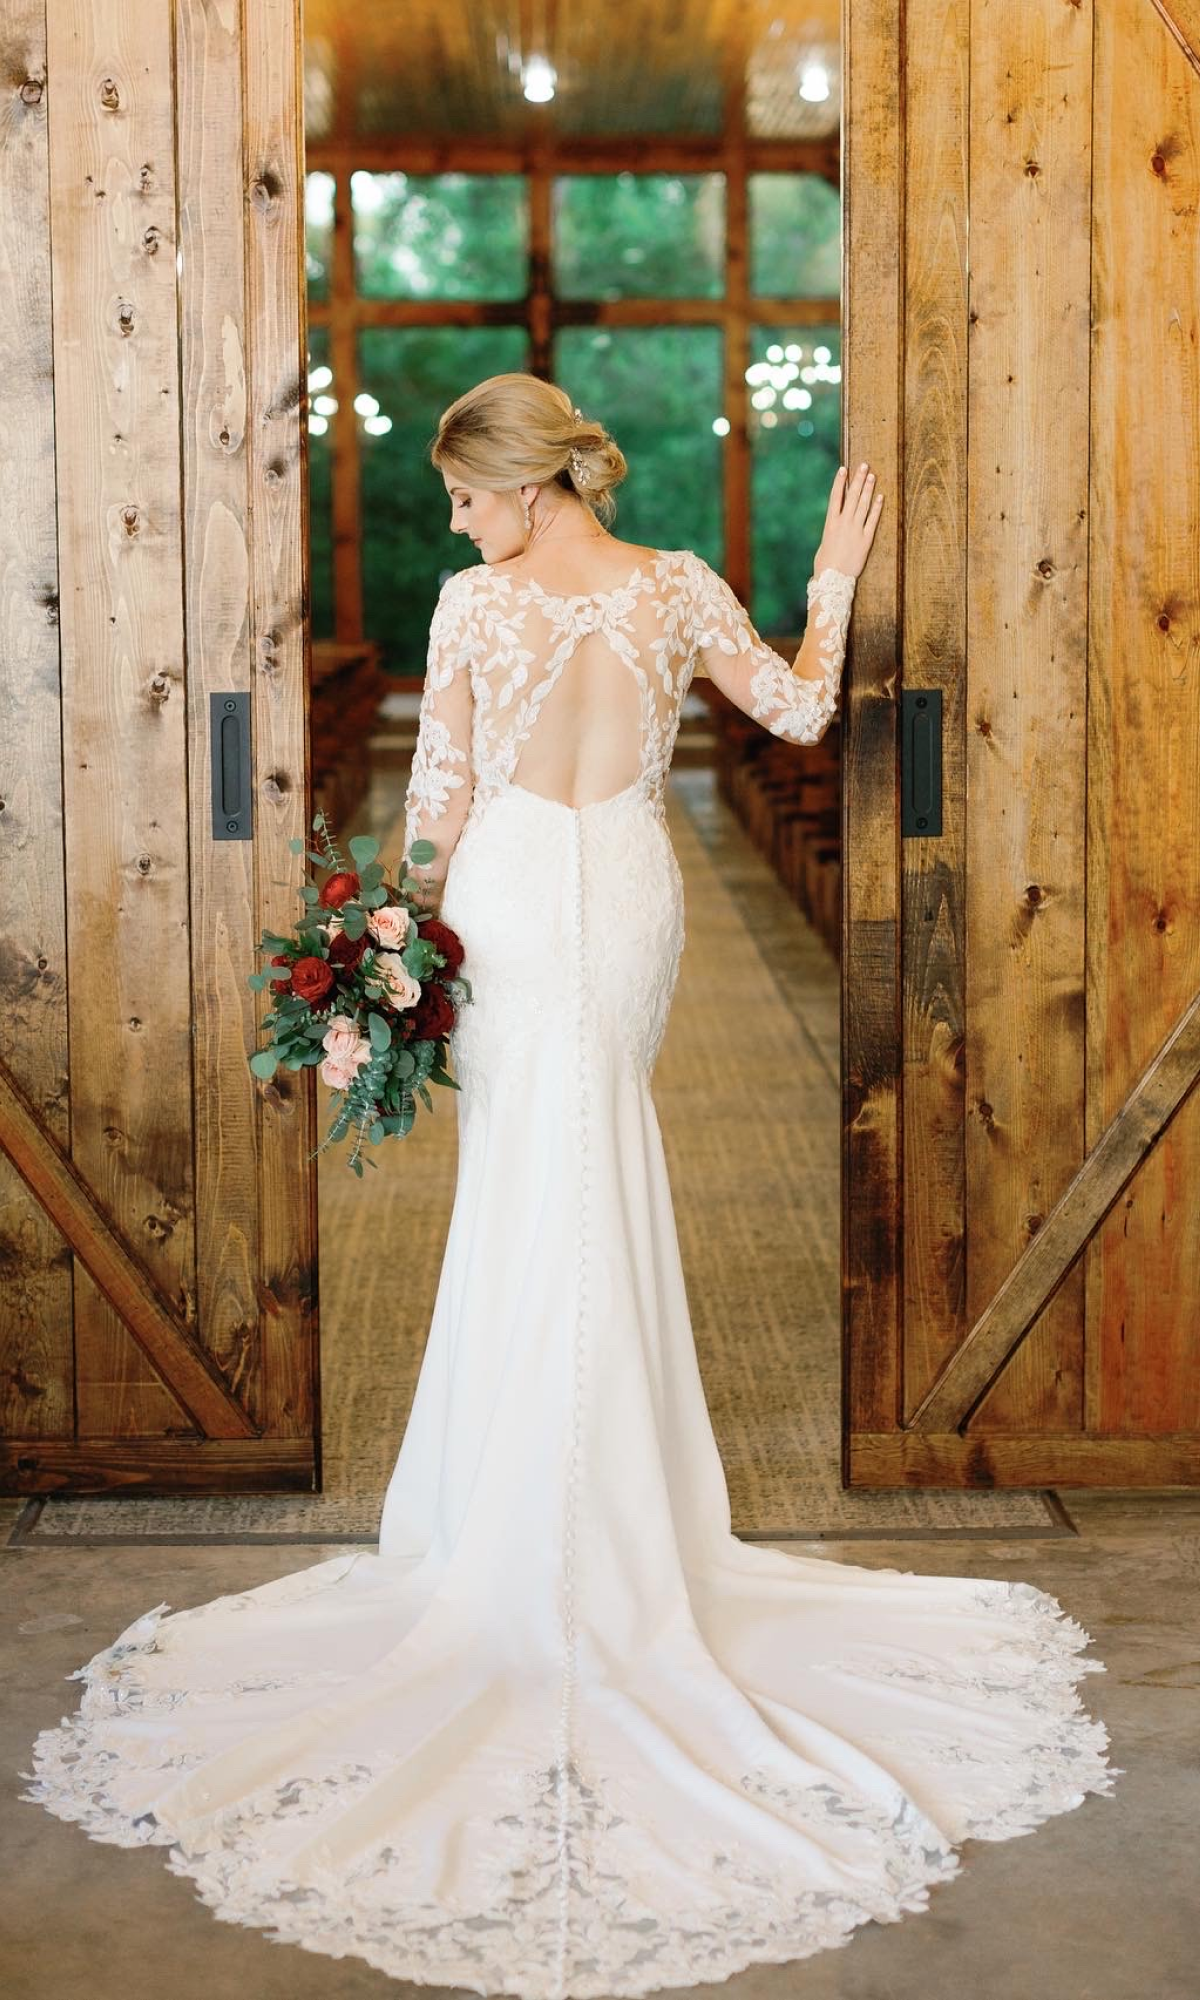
x,y
339,889
345,951
312,979
287,977
443,939
433,1013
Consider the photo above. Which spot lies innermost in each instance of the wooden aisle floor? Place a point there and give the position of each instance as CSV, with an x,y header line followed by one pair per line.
x,y
1100,1905
747,1093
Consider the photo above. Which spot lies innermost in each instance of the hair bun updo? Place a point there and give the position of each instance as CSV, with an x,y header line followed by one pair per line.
x,y
512,430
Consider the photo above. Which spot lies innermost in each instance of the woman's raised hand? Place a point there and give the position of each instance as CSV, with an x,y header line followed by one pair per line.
x,y
850,522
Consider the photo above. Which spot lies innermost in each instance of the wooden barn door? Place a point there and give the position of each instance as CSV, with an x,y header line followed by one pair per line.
x,y
1021,1172
157,1204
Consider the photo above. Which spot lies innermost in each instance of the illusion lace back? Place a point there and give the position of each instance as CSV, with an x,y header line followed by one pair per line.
x,y
565,1734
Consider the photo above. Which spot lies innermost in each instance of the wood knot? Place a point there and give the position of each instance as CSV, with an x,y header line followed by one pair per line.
x,y
265,190
144,864
1045,568
1033,894
110,96
130,520
32,90
126,318
151,239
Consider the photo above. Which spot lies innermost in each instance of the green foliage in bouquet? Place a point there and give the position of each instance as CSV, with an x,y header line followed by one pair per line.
x,y
369,992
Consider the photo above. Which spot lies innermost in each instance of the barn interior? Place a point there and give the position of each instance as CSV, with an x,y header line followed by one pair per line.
x,y
645,206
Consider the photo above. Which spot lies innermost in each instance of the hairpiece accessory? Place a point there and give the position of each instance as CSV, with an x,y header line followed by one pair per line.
x,y
579,471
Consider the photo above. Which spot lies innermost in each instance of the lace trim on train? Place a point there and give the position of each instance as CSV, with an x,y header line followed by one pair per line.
x,y
635,1921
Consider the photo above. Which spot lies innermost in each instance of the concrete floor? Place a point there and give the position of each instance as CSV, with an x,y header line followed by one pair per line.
x,y
1102,1903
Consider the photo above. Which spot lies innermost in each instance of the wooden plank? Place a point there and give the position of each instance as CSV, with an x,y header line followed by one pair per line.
x,y
344,319
933,871
917,1459
735,453
872,416
277,435
1143,737
1026,775
152,1466
36,1356
442,69
539,303
1042,1269
168,1343
573,312
1181,18
216,581
116,396
684,155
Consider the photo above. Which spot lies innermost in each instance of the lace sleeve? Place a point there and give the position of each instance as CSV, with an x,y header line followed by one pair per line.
x,y
796,702
440,786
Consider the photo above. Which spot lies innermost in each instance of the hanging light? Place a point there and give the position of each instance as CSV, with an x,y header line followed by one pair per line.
x,y
814,83
538,80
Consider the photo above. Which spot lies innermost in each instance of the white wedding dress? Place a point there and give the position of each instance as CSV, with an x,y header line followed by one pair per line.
x,y
564,1734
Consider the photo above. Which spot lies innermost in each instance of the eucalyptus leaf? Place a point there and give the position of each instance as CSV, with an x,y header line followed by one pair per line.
x,y
264,1062
364,847
380,1033
354,922
422,852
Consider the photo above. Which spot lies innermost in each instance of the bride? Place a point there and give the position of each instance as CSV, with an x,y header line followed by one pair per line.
x,y
564,1734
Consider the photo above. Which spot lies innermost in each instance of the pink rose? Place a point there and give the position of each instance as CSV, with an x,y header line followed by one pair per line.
x,y
388,924
338,1075
343,1041
398,983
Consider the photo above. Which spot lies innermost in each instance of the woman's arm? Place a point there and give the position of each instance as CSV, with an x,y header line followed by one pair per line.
x,y
441,782
798,700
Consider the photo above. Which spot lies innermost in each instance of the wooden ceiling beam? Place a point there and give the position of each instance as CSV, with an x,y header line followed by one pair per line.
x,y
405,154
578,312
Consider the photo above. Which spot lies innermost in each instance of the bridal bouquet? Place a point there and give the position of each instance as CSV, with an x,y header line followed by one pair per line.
x,y
369,990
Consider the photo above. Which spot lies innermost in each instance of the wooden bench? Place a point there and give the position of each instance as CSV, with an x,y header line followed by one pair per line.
x,y
348,685
788,798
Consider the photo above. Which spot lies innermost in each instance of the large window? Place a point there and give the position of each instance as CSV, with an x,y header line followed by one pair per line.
x,y
320,483
411,374
658,389
716,364
795,409
639,236
440,236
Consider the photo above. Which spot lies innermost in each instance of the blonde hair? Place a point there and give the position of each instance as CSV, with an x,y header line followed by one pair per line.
x,y
516,430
